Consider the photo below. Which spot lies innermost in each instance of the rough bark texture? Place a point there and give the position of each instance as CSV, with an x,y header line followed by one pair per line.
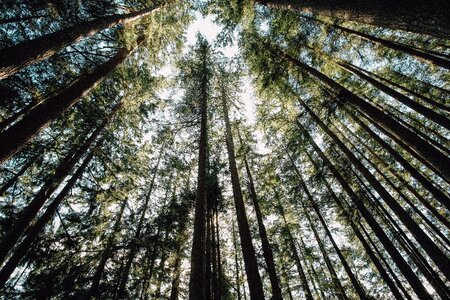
x,y
420,16
27,53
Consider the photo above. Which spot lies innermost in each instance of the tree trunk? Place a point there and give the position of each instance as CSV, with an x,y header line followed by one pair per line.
x,y
416,144
197,276
33,231
425,111
403,266
121,293
420,16
434,252
19,134
301,272
418,53
267,249
236,264
16,176
437,193
248,251
51,184
93,290
28,53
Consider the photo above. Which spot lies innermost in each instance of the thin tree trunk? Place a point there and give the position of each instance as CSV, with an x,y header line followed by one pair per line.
x,y
418,16
121,293
51,184
267,249
419,146
425,111
28,53
301,272
208,251
248,251
19,134
409,274
236,265
218,294
437,193
418,53
33,231
16,176
106,254
434,252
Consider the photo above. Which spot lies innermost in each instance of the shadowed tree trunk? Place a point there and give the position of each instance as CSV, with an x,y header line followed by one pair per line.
x,y
248,251
28,53
409,274
267,249
19,134
33,230
421,16
427,152
435,253
51,184
16,176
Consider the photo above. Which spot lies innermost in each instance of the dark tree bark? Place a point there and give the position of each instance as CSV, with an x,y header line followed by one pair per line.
x,y
8,184
19,134
403,266
427,152
437,193
295,255
236,264
134,247
420,16
248,251
106,254
51,184
28,53
425,111
418,53
434,252
267,249
197,276
33,231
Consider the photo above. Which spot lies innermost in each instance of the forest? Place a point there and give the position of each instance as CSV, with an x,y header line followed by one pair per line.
x,y
225,149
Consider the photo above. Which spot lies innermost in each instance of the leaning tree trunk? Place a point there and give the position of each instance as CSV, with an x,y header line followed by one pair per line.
x,y
28,53
267,249
403,266
248,251
434,252
420,16
425,111
8,184
16,136
33,231
420,147
436,192
51,184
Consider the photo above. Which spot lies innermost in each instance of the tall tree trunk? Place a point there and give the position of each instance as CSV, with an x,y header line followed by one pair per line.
x,y
437,193
236,264
403,266
121,293
359,289
248,251
8,184
419,16
267,249
208,251
51,184
33,231
295,254
418,53
434,252
19,134
93,290
425,111
197,276
427,152
28,53
218,293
